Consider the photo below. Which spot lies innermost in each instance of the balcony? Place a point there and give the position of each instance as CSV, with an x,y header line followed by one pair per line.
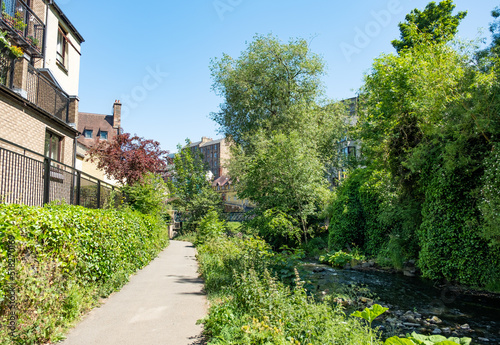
x,y
23,25
26,81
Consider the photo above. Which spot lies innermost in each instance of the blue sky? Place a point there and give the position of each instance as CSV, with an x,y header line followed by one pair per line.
x,y
154,56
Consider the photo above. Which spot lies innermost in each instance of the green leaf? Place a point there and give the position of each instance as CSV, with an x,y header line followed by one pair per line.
x,y
398,341
370,314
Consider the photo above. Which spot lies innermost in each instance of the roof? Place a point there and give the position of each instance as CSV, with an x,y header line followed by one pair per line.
x,y
222,181
213,142
95,122
66,20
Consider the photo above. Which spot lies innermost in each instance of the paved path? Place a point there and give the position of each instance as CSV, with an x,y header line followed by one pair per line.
x,y
160,305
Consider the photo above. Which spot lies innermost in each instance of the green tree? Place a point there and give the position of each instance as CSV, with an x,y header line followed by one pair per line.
x,y
429,119
275,86
285,175
435,23
191,187
149,195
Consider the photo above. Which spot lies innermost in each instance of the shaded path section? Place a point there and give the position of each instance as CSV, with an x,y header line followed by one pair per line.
x,y
160,305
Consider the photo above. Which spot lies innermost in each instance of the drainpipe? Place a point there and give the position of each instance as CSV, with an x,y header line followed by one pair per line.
x,y
75,145
44,48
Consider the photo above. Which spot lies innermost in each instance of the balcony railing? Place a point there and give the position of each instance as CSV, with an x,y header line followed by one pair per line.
x,y
38,89
45,95
25,26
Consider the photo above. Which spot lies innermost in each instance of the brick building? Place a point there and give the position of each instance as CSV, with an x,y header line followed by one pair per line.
x,y
215,154
95,128
39,90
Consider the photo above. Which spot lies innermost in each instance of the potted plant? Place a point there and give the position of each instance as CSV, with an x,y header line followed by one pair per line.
x,y
33,40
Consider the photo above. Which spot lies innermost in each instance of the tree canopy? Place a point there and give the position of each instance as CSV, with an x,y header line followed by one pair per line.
x,y
272,86
190,186
128,158
435,23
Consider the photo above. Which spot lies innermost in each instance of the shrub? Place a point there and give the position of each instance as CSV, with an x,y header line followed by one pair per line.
x,y
210,227
148,195
71,256
254,307
340,258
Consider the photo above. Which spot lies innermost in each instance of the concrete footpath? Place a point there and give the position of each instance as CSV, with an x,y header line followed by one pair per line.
x,y
160,305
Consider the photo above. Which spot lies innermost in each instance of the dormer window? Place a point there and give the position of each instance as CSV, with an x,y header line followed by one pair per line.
x,y
103,135
87,134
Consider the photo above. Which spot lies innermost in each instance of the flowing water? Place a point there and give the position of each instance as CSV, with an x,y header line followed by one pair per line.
x,y
413,302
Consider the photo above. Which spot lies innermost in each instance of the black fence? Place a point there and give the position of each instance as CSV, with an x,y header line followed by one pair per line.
x,y
44,94
29,178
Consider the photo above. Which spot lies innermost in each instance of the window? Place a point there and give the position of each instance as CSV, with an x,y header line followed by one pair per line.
x,y
62,48
87,134
104,135
53,146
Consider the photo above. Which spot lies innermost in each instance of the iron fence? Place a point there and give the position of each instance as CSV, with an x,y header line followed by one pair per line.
x,y
29,178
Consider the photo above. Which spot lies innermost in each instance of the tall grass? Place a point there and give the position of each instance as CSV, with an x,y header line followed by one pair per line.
x,y
251,306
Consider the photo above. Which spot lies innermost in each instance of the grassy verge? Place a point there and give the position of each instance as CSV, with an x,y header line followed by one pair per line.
x,y
249,305
57,261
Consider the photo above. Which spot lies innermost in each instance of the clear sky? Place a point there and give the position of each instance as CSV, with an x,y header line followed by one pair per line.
x,y
154,55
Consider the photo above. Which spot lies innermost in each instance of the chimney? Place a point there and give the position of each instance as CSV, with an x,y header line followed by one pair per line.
x,y
117,116
205,140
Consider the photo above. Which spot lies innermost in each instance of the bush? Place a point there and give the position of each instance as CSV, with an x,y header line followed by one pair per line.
x,y
210,227
71,256
450,234
254,307
340,259
147,196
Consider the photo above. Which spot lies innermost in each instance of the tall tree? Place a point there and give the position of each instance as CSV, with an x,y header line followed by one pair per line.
x,y
435,23
283,175
273,86
191,187
128,158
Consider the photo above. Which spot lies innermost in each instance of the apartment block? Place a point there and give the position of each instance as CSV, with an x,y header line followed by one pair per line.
x,y
39,75
215,154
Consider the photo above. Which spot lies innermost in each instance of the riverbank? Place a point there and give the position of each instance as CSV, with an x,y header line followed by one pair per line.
x,y
415,304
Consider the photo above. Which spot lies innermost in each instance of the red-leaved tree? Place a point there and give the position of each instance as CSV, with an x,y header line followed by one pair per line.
x,y
127,159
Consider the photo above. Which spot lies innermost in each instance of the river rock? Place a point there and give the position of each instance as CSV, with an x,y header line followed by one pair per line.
x,y
409,272
484,340
465,326
366,300
436,319
446,330
411,325
437,331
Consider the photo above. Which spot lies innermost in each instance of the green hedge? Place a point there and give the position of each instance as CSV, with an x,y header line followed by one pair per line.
x,y
66,257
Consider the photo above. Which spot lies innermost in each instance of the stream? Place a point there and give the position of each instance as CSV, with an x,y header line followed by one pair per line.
x,y
415,304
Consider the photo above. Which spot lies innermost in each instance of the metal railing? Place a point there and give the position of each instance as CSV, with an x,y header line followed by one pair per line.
x,y
21,19
27,177
45,95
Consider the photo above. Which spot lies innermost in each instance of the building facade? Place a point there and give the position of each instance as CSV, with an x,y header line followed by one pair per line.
x,y
95,128
215,154
39,77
